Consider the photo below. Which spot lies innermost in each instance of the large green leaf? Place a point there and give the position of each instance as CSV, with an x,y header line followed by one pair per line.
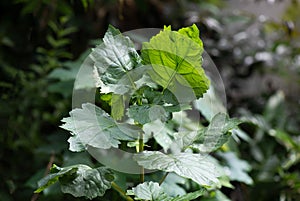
x,y
114,58
79,180
176,58
92,126
197,167
153,192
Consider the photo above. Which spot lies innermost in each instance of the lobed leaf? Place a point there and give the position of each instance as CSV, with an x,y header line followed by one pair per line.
x,y
92,126
176,58
79,180
197,167
114,58
153,192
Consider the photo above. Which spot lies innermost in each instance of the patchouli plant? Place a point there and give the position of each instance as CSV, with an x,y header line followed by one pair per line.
x,y
143,109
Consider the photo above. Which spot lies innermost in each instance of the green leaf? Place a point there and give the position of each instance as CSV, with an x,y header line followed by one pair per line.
x,y
197,167
210,104
75,144
176,58
192,32
161,133
238,168
285,139
79,180
216,134
89,182
190,196
114,58
94,127
211,138
117,106
153,192
149,191
147,113
173,185
53,177
216,196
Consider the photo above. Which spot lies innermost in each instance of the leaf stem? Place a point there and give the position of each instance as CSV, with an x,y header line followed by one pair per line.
x,y
163,179
141,149
120,190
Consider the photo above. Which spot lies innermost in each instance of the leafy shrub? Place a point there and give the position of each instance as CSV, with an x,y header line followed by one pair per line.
x,y
157,87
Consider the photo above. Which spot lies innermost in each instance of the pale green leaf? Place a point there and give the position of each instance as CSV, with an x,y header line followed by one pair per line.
x,y
210,104
94,127
211,138
149,191
153,192
216,134
75,144
238,168
197,167
117,106
114,58
190,196
161,133
173,185
176,58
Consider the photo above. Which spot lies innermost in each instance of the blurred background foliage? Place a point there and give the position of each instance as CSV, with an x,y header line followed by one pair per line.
x,y
43,43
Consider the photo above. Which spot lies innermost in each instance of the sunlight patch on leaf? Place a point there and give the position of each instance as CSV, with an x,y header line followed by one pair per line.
x,y
176,58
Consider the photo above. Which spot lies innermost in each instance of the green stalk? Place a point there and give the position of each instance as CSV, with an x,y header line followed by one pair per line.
x,y
141,149
120,190
163,179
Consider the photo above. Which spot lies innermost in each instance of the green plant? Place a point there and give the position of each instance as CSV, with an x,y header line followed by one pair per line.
x,y
143,97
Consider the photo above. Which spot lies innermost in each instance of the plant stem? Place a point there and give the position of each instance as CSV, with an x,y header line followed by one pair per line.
x,y
163,179
141,148
120,190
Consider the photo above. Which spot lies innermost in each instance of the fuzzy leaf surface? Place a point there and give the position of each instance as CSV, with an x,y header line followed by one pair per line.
x,y
153,192
94,127
197,167
79,180
114,58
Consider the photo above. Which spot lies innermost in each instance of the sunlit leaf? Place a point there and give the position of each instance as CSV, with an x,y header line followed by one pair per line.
x,y
176,58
